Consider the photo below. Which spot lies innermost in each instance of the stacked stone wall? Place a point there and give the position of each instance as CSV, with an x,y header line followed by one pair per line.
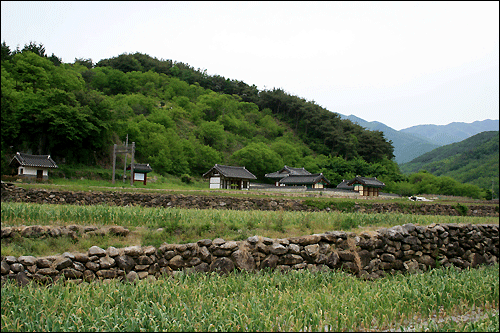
x,y
15,194
408,249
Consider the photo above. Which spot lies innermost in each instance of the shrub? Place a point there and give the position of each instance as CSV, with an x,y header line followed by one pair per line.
x,y
185,178
462,209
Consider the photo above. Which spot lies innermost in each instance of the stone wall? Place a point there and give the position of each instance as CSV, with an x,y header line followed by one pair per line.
x,y
15,194
408,248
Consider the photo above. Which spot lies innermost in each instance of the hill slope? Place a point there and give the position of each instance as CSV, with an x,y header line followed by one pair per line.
x,y
181,120
407,146
453,132
474,160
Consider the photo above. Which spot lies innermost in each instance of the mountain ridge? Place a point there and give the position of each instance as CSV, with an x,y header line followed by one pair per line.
x,y
452,132
412,142
473,160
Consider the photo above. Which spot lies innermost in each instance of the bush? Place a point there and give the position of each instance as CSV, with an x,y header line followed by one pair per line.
x,y
185,178
462,209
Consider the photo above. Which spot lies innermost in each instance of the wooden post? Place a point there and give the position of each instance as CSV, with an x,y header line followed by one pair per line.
x,y
132,165
114,163
125,164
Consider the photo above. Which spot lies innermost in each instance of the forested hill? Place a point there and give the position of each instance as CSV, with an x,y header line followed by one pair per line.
x,y
324,131
182,120
474,160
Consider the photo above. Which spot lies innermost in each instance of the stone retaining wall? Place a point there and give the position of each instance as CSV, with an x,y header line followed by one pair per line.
x,y
408,248
13,193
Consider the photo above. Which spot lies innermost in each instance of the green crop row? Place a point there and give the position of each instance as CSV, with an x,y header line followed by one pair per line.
x,y
263,301
173,218
153,226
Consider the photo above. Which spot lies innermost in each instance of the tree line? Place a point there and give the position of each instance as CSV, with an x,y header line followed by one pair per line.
x,y
182,120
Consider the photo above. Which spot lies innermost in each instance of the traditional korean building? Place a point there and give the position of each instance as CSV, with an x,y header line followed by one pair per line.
x,y
366,186
140,172
344,186
309,181
286,171
33,166
229,177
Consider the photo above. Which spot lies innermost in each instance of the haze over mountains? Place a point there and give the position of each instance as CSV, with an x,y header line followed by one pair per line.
x,y
410,143
473,160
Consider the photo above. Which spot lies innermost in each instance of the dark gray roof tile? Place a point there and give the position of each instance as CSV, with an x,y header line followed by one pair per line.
x,y
230,172
344,185
287,171
373,182
41,161
304,179
142,168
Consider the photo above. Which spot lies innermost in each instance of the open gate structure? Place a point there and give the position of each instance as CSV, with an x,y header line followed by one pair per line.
x,y
124,149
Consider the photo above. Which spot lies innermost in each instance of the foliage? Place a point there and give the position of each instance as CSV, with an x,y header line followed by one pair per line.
x,y
473,161
182,120
258,158
191,225
266,301
462,209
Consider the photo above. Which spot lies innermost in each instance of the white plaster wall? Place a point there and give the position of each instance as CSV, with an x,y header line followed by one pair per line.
x,y
30,171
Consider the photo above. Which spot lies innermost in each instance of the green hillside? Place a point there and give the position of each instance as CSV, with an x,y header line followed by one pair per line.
x,y
474,160
182,120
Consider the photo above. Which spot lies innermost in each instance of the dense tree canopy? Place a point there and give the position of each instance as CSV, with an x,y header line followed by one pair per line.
x,y
182,120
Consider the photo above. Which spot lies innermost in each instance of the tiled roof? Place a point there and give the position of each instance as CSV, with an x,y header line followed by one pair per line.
x,y
344,185
230,172
287,171
142,168
373,182
41,161
304,179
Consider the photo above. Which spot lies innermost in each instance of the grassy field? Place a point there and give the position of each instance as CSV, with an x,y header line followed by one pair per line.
x,y
240,301
153,226
264,301
200,186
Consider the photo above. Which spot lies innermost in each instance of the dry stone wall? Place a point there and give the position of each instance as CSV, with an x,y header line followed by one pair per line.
x,y
12,193
408,248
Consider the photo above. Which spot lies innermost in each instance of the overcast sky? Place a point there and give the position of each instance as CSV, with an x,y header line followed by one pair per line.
x,y
399,63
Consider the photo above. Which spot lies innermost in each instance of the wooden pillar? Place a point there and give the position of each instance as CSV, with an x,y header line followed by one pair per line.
x,y
125,164
114,163
132,165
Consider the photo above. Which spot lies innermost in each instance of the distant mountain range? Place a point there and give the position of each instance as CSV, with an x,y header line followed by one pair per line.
x,y
473,160
453,132
412,142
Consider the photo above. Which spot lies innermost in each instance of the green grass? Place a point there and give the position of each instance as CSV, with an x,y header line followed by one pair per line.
x,y
188,225
199,186
263,301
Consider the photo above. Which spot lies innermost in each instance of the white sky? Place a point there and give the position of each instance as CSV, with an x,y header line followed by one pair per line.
x,y
399,63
